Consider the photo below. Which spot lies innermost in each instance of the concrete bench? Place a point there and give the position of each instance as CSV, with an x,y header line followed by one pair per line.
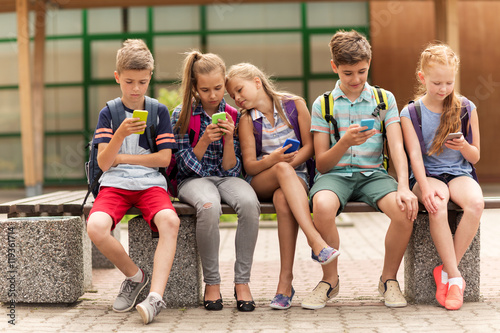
x,y
185,282
41,259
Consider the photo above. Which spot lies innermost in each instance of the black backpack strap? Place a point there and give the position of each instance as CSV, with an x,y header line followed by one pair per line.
x,y
329,116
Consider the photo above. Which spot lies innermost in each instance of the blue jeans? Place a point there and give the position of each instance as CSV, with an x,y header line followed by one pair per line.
x,y
205,195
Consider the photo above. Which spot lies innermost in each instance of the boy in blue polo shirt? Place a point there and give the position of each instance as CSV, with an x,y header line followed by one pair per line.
x,y
131,178
351,169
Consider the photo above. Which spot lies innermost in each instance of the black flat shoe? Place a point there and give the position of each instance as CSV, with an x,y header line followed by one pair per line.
x,y
244,306
214,305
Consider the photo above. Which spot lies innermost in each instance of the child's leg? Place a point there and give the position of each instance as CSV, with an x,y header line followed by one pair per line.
x,y
325,207
202,194
99,230
397,236
283,176
167,223
287,235
466,193
157,209
238,194
440,229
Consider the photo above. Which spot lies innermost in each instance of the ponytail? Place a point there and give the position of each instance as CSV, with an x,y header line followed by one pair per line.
x,y
194,64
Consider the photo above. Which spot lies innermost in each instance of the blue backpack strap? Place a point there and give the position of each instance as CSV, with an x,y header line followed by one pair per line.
x,y
415,111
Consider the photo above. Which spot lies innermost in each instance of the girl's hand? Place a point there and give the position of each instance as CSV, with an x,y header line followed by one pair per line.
x,y
354,136
226,126
279,155
429,199
456,144
130,126
212,133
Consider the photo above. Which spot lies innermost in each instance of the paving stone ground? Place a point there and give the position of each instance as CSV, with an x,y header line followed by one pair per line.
x,y
357,308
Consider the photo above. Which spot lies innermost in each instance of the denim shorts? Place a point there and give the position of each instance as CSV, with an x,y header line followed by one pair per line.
x,y
444,177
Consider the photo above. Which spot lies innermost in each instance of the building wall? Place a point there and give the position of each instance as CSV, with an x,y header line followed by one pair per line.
x,y
399,32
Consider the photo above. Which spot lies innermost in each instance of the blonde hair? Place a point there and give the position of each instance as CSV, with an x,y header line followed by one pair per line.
x,y
450,117
349,48
248,72
195,63
134,55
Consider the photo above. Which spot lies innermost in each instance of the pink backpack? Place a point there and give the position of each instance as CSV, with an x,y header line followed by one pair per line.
x,y
194,133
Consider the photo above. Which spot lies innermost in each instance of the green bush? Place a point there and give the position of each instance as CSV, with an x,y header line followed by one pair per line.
x,y
171,98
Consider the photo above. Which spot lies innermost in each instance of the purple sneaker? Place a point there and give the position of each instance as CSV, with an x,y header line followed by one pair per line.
x,y
282,302
326,256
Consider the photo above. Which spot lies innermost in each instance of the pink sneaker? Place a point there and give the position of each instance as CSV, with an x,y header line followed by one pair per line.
x,y
441,288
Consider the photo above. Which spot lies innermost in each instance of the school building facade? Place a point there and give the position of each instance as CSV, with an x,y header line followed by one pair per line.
x,y
287,39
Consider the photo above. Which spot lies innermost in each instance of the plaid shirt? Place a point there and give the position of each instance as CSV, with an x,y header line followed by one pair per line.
x,y
211,163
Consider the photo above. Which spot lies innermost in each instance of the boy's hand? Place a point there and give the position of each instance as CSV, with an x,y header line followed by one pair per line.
x,y
130,126
354,136
406,199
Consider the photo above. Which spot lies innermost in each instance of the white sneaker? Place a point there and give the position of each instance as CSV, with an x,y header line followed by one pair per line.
x,y
150,308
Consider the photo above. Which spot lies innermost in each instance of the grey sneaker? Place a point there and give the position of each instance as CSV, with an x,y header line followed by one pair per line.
x,y
393,296
128,294
150,308
320,295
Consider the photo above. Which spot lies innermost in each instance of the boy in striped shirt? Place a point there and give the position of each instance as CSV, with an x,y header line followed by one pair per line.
x,y
131,178
351,169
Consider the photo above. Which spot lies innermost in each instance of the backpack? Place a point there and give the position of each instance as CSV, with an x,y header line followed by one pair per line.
x,y
293,118
194,133
415,110
92,170
380,112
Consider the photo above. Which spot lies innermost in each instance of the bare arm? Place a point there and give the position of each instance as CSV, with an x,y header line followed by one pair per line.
x,y
107,152
406,200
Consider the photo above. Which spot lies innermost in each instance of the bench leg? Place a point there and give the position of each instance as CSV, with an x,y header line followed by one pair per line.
x,y
421,257
185,280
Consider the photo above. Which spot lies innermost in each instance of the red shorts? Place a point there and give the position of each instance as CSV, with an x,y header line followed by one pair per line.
x,y
116,202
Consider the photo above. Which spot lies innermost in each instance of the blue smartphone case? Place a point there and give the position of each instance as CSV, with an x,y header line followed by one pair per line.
x,y
367,122
294,147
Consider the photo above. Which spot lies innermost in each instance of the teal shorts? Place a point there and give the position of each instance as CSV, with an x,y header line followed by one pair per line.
x,y
358,187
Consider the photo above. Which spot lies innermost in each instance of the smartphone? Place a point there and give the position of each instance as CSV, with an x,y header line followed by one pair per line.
x,y
452,136
295,145
367,122
217,116
141,114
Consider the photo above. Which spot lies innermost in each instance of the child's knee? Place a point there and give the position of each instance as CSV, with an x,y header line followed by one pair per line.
x,y
167,220
97,228
474,207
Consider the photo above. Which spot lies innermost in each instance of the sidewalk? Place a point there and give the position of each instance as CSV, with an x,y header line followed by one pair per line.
x,y
358,307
